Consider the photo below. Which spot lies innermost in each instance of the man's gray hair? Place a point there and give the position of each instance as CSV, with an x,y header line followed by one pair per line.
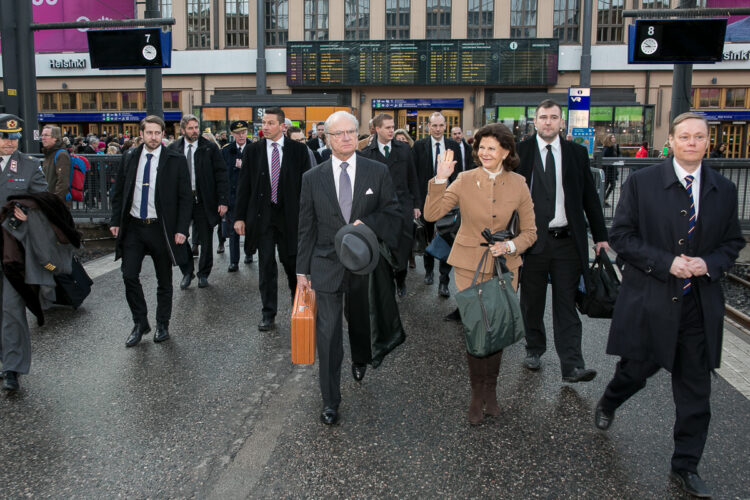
x,y
339,114
55,132
188,118
435,115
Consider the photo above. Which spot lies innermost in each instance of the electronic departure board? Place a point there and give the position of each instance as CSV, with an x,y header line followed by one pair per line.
x,y
500,62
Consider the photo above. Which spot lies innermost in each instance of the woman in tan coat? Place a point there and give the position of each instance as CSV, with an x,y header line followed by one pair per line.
x,y
487,198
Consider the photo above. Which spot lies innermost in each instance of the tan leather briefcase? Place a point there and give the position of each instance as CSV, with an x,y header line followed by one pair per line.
x,y
303,327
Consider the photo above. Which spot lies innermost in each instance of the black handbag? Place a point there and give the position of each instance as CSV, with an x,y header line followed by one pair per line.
x,y
600,285
420,237
447,226
490,311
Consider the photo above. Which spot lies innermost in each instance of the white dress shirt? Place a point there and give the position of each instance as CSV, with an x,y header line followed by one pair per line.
x,y
560,219
681,174
442,150
351,170
135,208
382,146
269,151
192,160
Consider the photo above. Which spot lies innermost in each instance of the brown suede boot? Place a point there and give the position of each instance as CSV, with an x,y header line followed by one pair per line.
x,y
490,384
476,375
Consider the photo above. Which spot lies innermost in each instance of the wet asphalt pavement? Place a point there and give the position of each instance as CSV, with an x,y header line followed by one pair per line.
x,y
219,411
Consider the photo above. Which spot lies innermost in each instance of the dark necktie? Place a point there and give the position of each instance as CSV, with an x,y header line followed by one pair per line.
x,y
387,151
145,185
437,155
190,165
549,168
345,192
686,284
275,171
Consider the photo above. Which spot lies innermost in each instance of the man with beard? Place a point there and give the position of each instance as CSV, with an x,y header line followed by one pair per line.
x,y
208,179
151,206
397,156
56,165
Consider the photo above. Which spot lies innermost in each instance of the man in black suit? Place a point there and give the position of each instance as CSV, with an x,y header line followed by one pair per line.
x,y
210,188
151,204
426,152
345,189
466,150
562,187
677,233
398,157
268,207
232,155
318,142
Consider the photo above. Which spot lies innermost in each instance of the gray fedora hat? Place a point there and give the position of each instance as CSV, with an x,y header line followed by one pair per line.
x,y
357,248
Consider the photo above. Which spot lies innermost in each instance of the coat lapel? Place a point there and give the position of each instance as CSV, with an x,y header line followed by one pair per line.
x,y
159,171
329,187
362,182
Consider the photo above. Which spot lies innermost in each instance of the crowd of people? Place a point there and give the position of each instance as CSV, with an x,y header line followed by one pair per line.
x,y
330,204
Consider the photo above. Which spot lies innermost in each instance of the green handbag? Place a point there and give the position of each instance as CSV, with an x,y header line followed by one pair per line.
x,y
490,311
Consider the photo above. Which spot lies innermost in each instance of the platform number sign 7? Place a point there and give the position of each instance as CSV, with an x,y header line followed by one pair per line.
x,y
149,51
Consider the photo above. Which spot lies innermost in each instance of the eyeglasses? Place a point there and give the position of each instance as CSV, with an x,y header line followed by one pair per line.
x,y
344,133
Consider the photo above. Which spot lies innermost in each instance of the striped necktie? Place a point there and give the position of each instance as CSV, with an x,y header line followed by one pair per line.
x,y
275,172
686,285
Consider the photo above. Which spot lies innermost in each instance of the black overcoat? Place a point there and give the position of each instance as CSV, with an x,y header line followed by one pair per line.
x,y
400,163
649,230
211,181
173,197
425,163
581,199
254,189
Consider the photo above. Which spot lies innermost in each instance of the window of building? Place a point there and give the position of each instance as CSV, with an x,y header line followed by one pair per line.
x,y
480,20
566,20
523,19
130,101
165,6
397,19
316,19
109,100
88,100
277,22
708,98
48,102
655,4
735,98
237,23
357,19
198,24
438,19
171,99
609,27
68,100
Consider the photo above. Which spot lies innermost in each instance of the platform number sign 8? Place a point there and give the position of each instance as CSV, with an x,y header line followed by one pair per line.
x,y
651,40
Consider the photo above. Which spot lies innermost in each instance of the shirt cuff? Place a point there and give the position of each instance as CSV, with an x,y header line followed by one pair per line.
x,y
511,246
440,181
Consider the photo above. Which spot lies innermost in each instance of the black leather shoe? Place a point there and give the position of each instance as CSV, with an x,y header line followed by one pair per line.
x,y
454,316
429,279
135,336
532,362
691,483
162,333
202,281
603,418
580,375
220,248
248,259
10,381
329,416
186,279
358,371
266,324
233,268
401,291
443,290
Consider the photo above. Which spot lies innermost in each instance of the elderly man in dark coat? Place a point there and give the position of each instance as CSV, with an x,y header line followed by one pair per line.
x,y
677,234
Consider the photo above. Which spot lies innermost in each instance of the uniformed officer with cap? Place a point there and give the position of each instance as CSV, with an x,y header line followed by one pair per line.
x,y
232,154
20,174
